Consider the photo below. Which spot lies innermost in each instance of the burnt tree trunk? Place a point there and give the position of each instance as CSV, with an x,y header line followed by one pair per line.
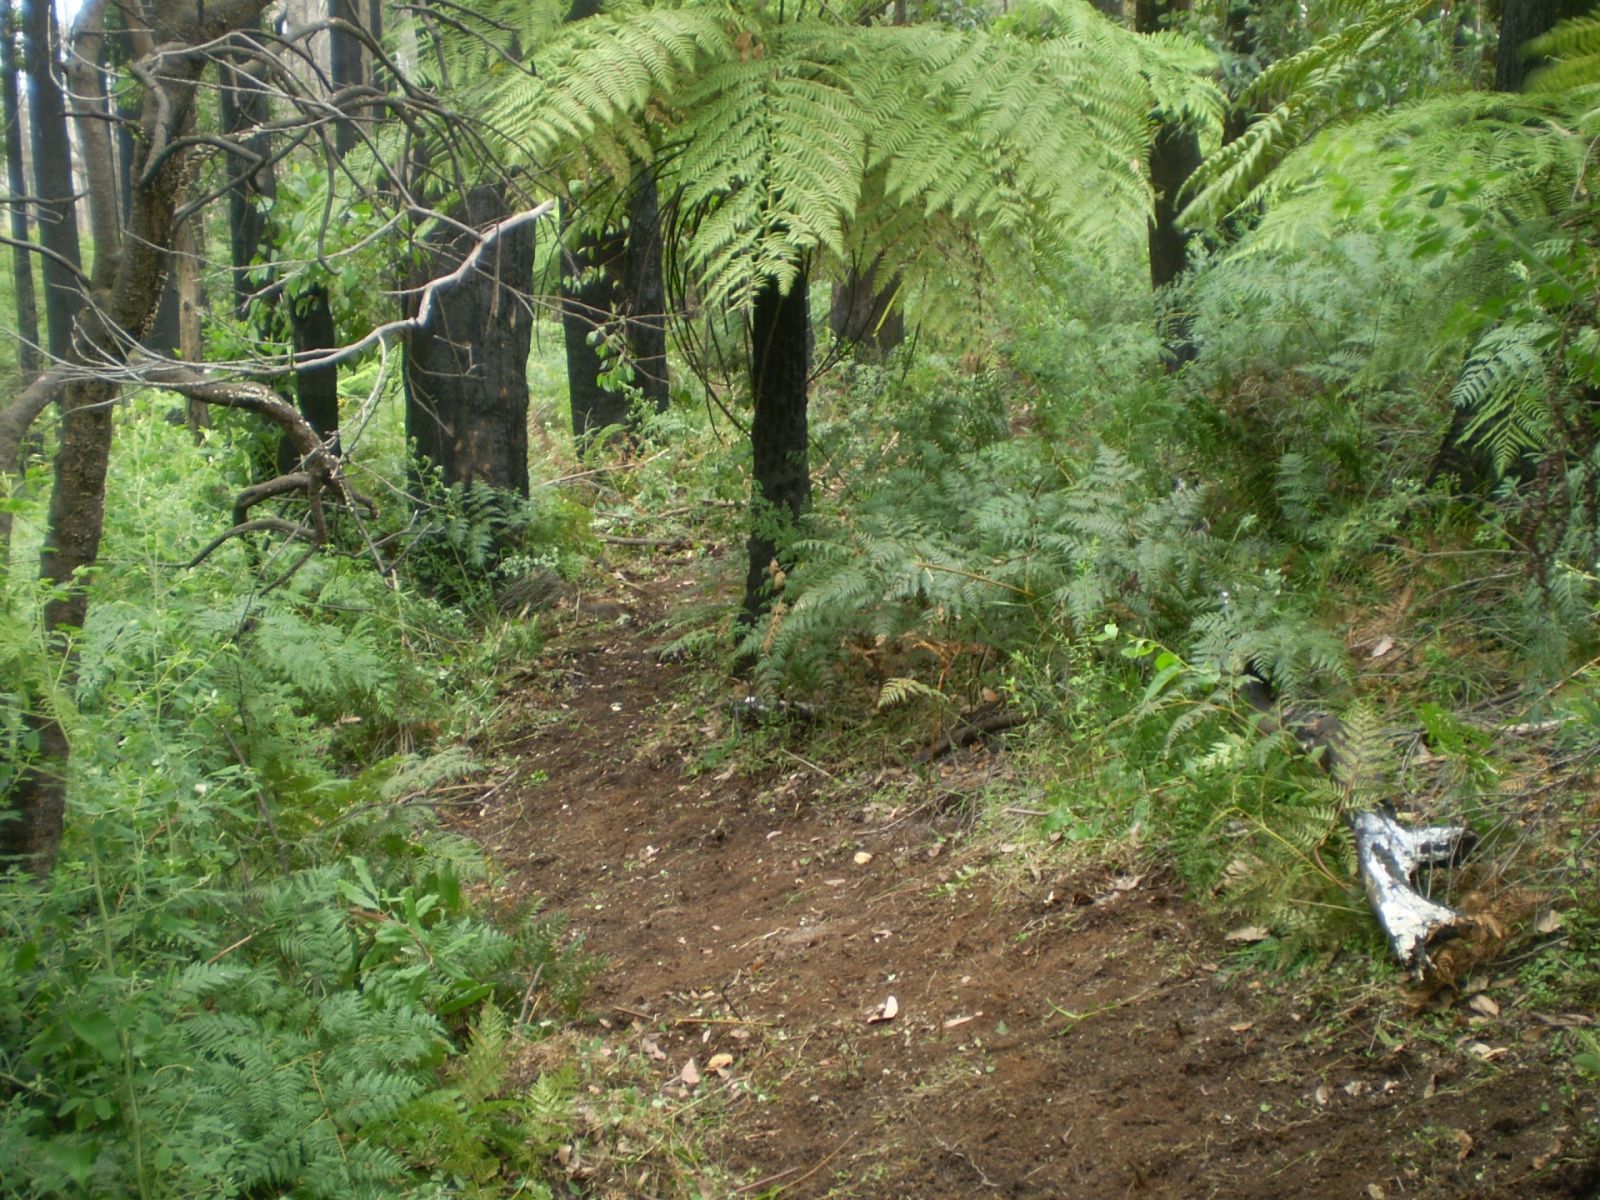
x,y
780,364
586,287
610,277
345,69
316,387
250,188
52,174
1174,156
864,315
1241,39
642,296
466,370
16,182
613,287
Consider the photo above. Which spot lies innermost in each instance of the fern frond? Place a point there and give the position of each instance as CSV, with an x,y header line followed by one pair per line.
x,y
1301,89
1574,47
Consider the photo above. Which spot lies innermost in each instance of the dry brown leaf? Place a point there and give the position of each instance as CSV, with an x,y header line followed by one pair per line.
x,y
1248,933
954,1021
862,858
1242,1027
650,1047
1464,1140
1549,921
690,1073
1322,1094
887,1011
719,1062
1484,1003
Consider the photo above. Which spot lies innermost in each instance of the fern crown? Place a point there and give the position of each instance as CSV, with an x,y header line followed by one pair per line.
x,y
777,140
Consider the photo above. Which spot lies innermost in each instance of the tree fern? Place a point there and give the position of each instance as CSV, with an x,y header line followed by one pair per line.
x,y
1574,47
770,135
1302,89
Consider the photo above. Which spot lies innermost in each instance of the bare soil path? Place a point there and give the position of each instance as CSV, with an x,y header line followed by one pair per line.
x,y
1056,1032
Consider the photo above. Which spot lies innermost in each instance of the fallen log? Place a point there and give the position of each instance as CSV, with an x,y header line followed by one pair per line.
x,y
1389,855
968,730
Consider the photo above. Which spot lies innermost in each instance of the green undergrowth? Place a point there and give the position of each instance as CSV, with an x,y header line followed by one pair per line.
x,y
1120,555
259,967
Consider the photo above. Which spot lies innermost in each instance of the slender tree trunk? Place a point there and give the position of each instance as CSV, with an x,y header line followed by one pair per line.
x,y
35,806
613,284
1174,156
586,290
16,182
1520,22
780,364
316,388
613,281
865,315
92,116
344,69
1242,42
250,190
643,294
310,315
52,170
467,395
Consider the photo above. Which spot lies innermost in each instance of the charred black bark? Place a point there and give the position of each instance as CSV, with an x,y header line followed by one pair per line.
x,y
466,370
52,173
316,387
345,69
16,181
1242,42
1174,156
780,363
586,287
863,314
613,284
251,189
643,293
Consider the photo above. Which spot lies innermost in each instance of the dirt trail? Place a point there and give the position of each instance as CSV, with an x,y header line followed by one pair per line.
x,y
1058,1034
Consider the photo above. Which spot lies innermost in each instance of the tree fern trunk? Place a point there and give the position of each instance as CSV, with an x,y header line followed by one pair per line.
x,y
317,387
585,312
613,282
244,111
644,293
1174,155
780,363
864,315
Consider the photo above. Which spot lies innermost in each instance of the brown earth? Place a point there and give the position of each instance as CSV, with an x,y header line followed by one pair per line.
x,y
1061,1031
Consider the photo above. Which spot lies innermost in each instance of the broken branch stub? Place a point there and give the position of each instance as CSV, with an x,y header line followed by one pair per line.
x,y
1388,854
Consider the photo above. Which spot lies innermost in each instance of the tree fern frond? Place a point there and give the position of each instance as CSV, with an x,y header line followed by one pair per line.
x,y
1574,47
